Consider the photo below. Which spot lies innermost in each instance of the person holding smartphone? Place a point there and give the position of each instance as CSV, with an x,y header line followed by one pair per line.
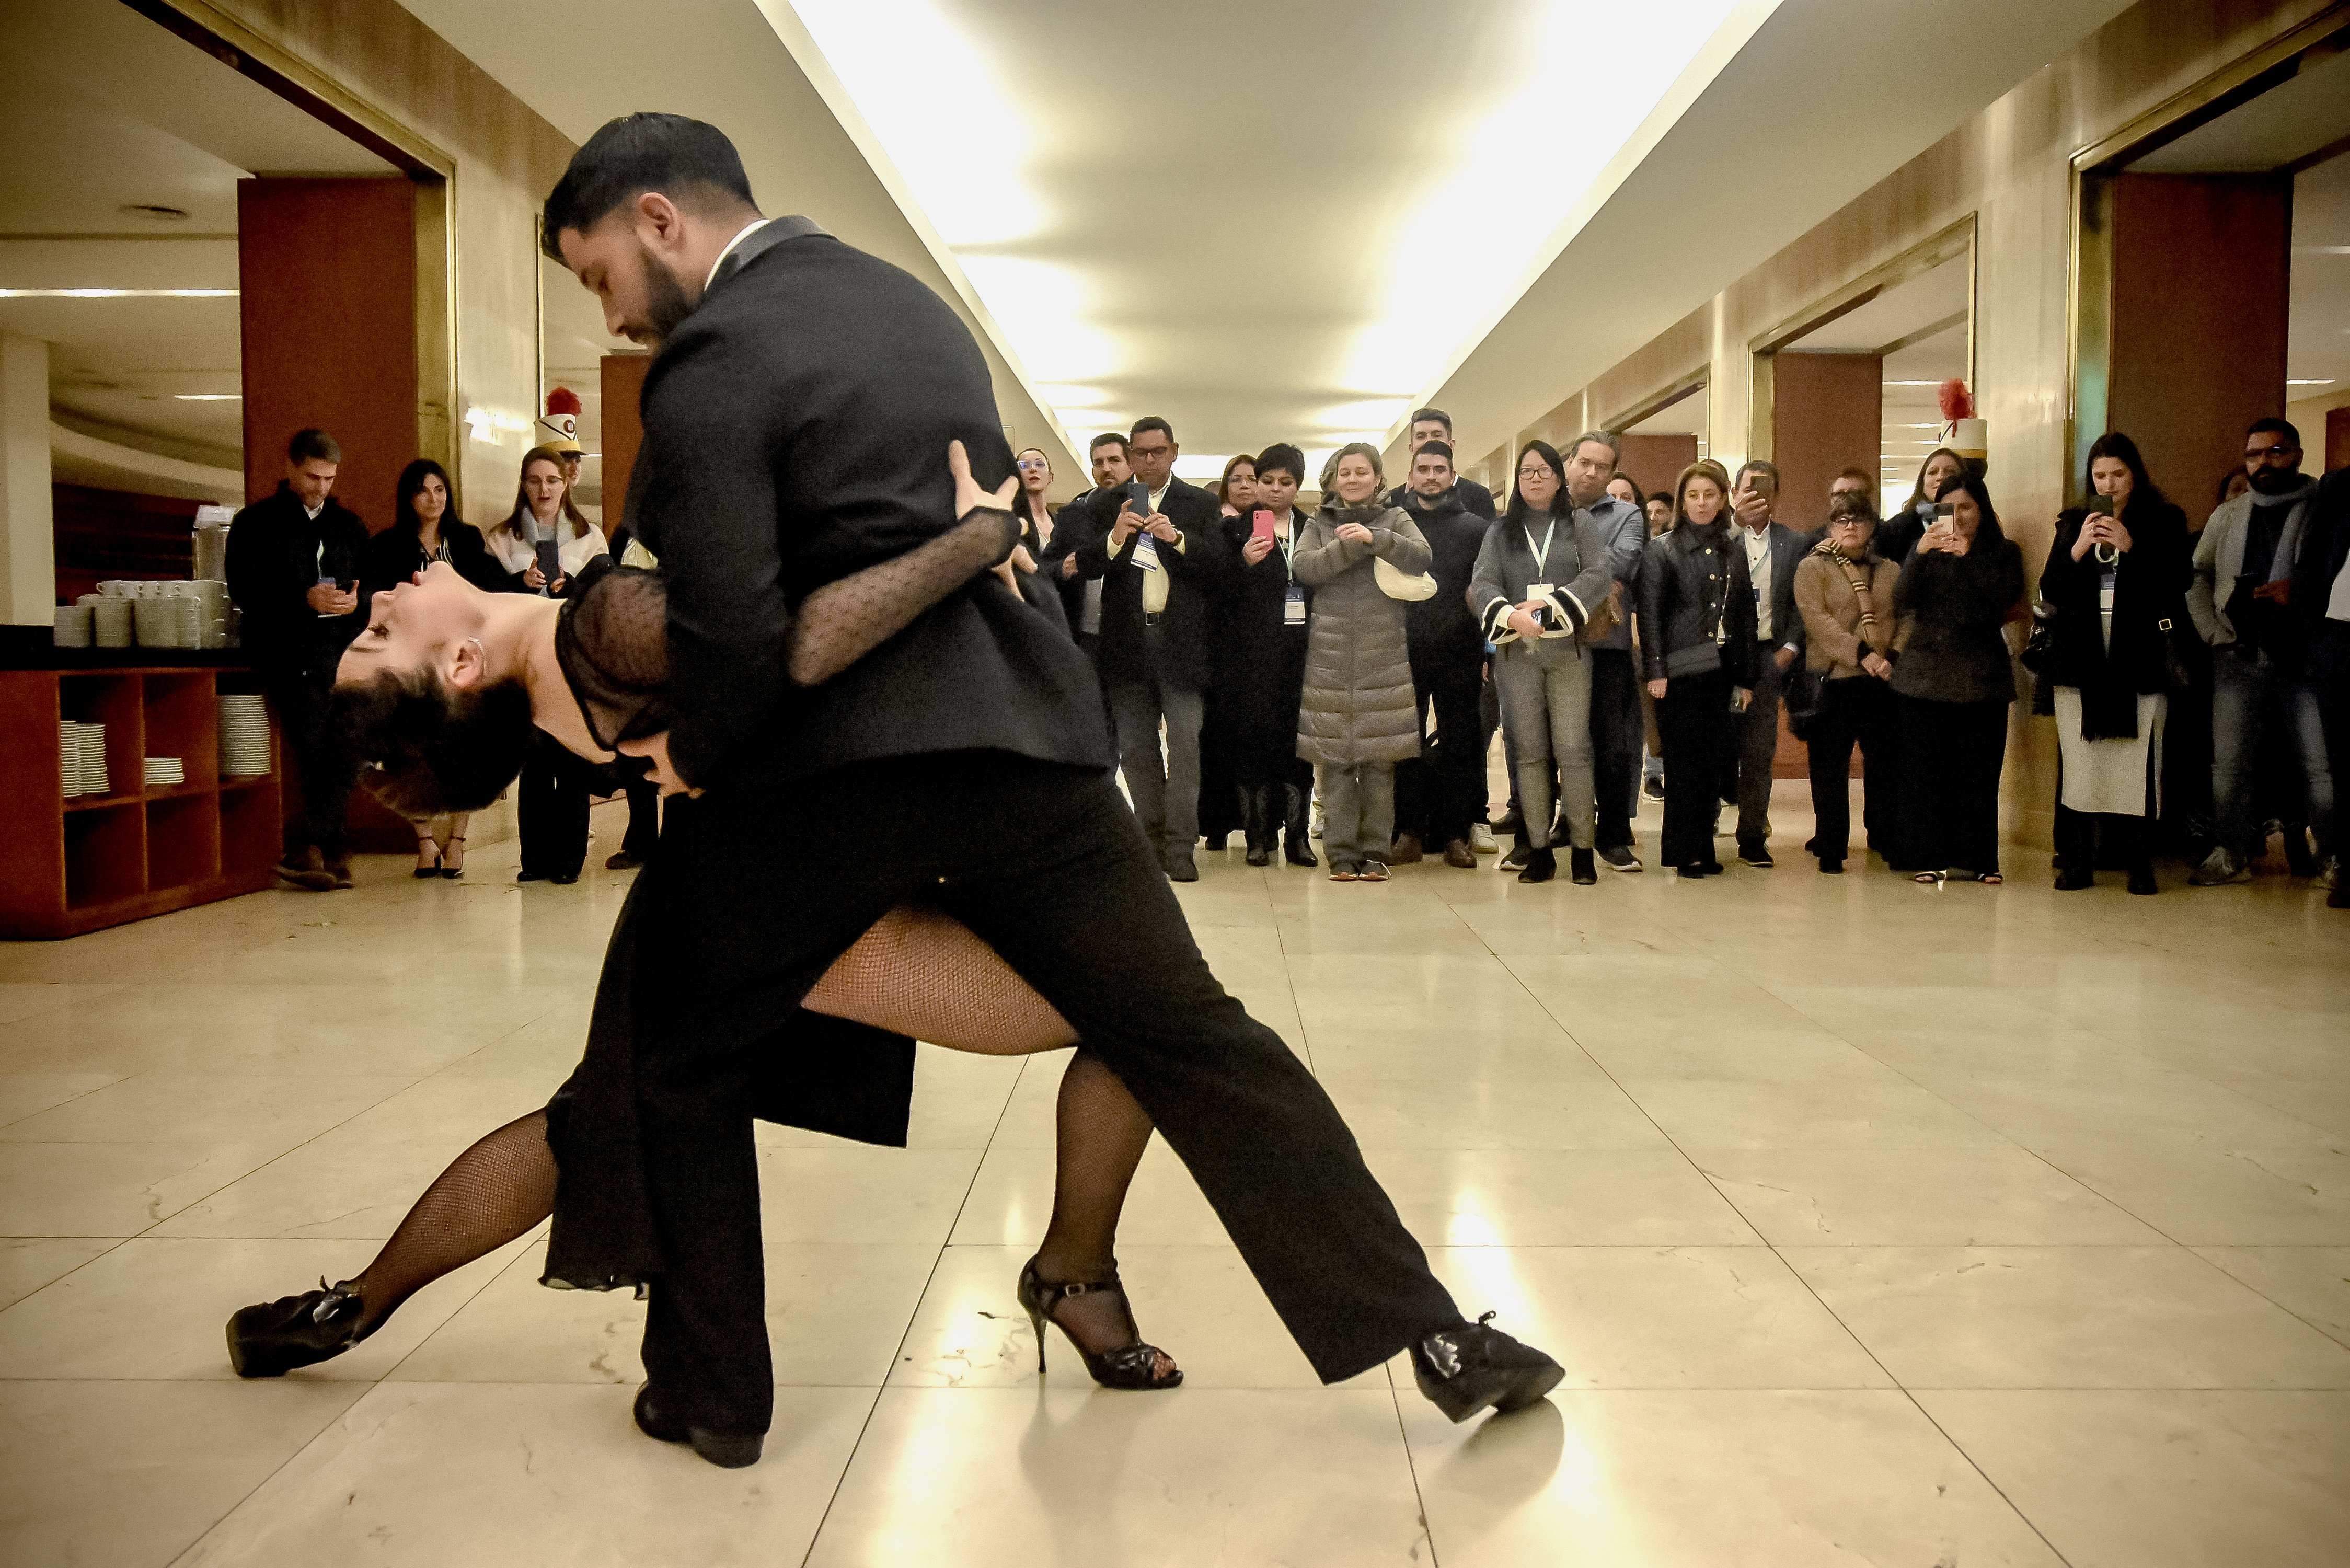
x,y
2116,581
1773,553
1696,647
542,546
1260,621
1954,684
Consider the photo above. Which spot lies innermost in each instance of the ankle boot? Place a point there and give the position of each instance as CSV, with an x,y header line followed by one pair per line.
x,y
2077,850
1258,823
1580,868
1294,843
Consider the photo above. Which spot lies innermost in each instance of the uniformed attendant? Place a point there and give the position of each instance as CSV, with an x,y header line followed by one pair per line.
x,y
1697,642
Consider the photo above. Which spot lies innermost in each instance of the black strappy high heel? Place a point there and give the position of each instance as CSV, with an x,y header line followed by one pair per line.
x,y
1130,1365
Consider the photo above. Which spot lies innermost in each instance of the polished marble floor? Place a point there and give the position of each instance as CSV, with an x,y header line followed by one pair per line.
x,y
1873,1223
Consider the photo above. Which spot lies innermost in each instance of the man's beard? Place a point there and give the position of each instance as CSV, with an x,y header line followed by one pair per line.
x,y
2277,481
665,303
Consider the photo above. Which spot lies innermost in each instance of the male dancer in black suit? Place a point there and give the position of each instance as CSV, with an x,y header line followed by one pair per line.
x,y
794,418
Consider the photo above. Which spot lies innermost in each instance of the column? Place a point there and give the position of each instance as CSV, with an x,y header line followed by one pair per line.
x,y
28,557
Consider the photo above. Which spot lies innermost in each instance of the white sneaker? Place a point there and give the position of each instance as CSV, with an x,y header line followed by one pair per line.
x,y
1481,839
1316,830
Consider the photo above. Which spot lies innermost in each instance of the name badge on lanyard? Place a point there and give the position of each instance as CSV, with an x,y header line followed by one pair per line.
x,y
2105,591
1146,552
1292,607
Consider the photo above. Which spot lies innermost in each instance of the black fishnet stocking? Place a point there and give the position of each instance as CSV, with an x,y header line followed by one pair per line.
x,y
492,1193
915,972
1099,1134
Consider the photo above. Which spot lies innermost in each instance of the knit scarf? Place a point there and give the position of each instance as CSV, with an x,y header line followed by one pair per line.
x,y
1859,586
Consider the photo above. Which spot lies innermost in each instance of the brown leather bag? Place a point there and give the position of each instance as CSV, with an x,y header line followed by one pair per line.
x,y
1606,618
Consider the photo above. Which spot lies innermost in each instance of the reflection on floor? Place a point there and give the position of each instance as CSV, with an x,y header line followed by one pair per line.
x,y
1872,1223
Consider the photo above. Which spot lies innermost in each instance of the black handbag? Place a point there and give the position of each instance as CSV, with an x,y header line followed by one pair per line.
x,y
2042,640
1802,696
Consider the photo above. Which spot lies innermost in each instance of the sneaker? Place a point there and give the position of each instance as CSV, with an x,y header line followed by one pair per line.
x,y
2219,869
1481,839
1756,856
1653,789
1315,831
1515,860
1620,859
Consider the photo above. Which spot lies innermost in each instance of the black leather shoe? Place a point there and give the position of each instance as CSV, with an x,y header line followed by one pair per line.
x,y
1296,846
563,878
1462,1370
2141,879
530,876
1542,864
1179,865
1580,869
2071,878
728,1451
272,1338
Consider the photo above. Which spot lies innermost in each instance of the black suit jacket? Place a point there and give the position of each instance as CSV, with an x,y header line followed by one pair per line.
x,y
1194,573
1468,492
796,429
276,557
1788,549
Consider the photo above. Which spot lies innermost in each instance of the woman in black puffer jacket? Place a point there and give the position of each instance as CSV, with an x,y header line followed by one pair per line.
x,y
1954,684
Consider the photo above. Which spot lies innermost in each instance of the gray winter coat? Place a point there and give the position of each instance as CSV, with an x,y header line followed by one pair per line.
x,y
1358,705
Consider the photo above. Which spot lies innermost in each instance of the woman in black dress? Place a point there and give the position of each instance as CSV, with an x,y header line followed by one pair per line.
x,y
422,533
446,688
2116,581
1261,670
1953,684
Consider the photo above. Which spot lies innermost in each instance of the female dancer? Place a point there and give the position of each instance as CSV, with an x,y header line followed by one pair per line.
x,y
445,687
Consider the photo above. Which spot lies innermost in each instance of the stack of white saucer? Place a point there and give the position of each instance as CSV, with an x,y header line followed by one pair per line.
x,y
163,772
244,735
81,755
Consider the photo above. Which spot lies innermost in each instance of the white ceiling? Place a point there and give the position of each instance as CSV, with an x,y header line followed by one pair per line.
x,y
2285,123
104,110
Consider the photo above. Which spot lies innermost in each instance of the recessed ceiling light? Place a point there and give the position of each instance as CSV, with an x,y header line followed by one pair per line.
x,y
2322,250
161,214
2326,382
117,293
1913,383
208,397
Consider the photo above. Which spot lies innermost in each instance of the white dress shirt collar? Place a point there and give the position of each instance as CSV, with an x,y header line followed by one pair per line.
x,y
747,230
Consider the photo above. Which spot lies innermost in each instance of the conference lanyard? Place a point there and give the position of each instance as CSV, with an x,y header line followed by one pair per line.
x,y
1542,556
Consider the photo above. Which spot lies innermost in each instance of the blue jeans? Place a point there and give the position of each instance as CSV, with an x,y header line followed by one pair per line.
x,y
2249,692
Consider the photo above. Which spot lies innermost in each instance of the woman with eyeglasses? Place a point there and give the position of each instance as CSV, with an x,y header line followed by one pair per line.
x,y
1541,574
1843,589
1697,646
1953,684
2116,582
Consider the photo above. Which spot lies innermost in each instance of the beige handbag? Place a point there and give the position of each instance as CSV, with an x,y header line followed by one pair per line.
x,y
1409,587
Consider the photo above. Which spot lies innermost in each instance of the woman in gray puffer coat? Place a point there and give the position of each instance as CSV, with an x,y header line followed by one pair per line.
x,y
1358,718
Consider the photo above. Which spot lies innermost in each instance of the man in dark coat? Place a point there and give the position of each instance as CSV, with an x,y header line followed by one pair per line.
x,y
796,417
1772,552
294,562
1435,424
1157,546
1440,792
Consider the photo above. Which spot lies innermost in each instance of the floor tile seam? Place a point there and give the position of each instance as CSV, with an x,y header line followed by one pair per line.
x,y
1412,1468
1839,1032
2323,1134
1874,1360
304,1447
44,1110
1289,979
2341,1338
913,1313
1616,1083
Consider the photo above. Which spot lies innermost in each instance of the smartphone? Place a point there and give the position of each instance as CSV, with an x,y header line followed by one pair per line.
x,y
1935,512
550,559
1138,495
2103,505
1260,524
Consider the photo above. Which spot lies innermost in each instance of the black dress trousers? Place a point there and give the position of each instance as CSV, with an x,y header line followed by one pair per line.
x,y
732,923
551,817
1854,712
1700,732
1951,755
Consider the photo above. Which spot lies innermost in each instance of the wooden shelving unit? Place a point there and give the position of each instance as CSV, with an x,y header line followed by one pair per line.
x,y
71,865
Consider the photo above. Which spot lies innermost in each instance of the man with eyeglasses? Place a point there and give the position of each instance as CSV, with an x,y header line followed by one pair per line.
x,y
2241,601
1155,543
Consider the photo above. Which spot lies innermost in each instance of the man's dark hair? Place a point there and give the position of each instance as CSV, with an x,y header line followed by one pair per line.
x,y
1438,415
433,750
1107,438
1283,457
686,161
1437,447
1605,438
2280,427
313,444
1152,423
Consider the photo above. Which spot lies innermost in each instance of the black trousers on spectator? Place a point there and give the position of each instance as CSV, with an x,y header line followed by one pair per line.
x,y
733,922
1951,755
1219,793
1853,712
296,693
1746,772
552,814
1439,792
1700,732
2329,672
1617,732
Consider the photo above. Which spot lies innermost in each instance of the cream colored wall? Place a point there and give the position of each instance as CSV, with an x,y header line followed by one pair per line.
x,y
2011,167
507,158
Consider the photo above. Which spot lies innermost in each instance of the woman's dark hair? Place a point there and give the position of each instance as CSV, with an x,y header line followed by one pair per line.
x,y
1703,467
1918,495
1284,457
432,750
1225,483
1518,508
1851,503
2229,482
1971,483
411,481
2144,492
1639,496
685,160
